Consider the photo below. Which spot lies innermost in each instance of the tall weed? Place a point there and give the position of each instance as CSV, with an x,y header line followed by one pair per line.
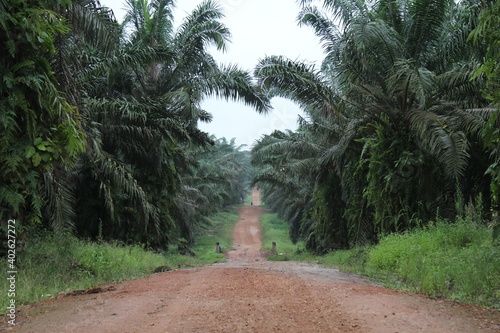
x,y
454,260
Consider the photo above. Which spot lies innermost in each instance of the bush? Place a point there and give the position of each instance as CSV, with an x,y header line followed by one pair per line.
x,y
457,261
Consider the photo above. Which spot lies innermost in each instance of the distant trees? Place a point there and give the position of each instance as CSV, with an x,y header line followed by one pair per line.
x,y
218,176
394,123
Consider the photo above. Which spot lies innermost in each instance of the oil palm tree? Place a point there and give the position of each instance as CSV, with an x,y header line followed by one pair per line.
x,y
396,80
406,67
142,110
486,34
218,176
287,164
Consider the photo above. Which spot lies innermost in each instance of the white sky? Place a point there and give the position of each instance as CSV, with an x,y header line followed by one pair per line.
x,y
258,28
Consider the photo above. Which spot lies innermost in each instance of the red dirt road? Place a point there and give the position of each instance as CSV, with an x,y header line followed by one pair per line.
x,y
250,294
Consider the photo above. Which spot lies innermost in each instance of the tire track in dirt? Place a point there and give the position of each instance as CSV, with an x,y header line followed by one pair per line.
x,y
250,294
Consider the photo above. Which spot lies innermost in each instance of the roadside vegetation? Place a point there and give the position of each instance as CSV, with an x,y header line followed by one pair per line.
x,y
99,120
457,260
56,263
396,132
104,168
274,229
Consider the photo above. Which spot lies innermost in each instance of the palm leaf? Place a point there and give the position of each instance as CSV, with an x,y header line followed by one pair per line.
x,y
438,139
424,25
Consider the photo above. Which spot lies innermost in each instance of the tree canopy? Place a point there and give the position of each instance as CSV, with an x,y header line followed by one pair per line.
x,y
100,120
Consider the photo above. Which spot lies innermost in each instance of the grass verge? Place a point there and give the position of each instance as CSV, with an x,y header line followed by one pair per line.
x,y
219,230
275,229
51,264
460,261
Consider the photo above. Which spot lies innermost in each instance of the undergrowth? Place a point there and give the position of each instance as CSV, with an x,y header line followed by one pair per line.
x,y
275,229
56,263
459,260
50,264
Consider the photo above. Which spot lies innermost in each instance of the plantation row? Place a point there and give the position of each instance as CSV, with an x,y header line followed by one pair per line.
x,y
401,122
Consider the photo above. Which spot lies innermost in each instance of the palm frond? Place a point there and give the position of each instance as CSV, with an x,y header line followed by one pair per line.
x,y
409,83
60,203
201,29
324,28
96,23
343,10
425,21
296,81
438,139
232,83
455,84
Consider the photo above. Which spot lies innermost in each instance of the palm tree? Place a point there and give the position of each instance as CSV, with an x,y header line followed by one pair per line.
x,y
92,33
395,90
405,66
487,34
287,164
217,177
151,25
40,128
142,111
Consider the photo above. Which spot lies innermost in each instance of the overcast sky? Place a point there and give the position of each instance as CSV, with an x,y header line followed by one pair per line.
x,y
258,28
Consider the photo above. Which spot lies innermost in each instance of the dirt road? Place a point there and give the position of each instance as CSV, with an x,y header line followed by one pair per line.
x,y
250,294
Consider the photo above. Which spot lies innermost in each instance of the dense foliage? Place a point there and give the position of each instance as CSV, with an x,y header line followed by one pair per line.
x,y
487,33
100,120
39,128
393,133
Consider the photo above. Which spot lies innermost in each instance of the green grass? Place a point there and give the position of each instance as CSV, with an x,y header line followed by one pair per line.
x,y
220,230
458,261
352,261
248,199
453,260
51,264
275,229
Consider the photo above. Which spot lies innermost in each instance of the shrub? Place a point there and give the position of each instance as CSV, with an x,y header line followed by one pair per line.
x,y
456,260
